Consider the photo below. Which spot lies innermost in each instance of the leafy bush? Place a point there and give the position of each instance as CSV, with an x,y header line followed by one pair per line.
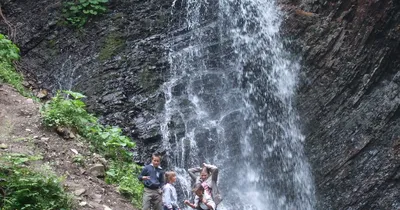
x,y
9,53
10,76
125,175
71,112
68,110
77,12
28,189
62,111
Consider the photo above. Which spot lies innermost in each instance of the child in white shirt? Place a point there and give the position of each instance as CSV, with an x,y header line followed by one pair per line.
x,y
169,192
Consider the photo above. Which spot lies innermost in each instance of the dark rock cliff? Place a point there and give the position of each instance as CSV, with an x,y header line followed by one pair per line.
x,y
118,59
349,99
348,96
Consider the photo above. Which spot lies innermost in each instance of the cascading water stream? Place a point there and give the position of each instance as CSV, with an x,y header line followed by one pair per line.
x,y
229,103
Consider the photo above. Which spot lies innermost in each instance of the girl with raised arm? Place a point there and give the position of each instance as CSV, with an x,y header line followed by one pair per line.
x,y
202,201
208,178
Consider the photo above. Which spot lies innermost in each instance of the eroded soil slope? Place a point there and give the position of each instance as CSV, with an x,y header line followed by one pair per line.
x,y
21,131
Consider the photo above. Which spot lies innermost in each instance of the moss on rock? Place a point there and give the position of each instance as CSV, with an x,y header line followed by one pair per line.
x,y
113,43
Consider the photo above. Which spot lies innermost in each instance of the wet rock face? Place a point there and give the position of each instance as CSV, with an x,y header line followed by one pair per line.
x,y
349,98
118,60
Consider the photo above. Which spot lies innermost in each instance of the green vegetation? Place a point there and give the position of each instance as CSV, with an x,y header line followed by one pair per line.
x,y
10,76
126,177
70,112
67,109
17,158
28,189
78,12
9,53
79,159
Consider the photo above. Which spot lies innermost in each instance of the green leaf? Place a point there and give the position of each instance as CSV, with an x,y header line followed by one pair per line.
x,y
104,135
94,1
115,130
76,95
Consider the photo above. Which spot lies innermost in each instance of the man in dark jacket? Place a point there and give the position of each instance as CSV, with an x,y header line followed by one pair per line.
x,y
152,177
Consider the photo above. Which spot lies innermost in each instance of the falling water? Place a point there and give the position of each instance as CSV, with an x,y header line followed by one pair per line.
x,y
229,103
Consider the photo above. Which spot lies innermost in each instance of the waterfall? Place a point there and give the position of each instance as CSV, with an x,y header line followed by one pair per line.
x,y
229,103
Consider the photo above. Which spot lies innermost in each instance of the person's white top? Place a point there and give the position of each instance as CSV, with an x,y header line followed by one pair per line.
x,y
170,198
209,200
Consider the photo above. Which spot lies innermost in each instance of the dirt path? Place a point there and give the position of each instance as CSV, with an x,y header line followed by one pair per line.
x,y
22,132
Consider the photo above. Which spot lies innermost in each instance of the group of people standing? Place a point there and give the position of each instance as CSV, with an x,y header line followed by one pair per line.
x,y
160,192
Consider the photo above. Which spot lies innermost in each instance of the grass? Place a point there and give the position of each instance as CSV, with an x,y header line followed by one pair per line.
x,y
10,76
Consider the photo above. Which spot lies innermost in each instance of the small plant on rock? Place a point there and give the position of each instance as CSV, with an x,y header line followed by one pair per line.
x,y
79,159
